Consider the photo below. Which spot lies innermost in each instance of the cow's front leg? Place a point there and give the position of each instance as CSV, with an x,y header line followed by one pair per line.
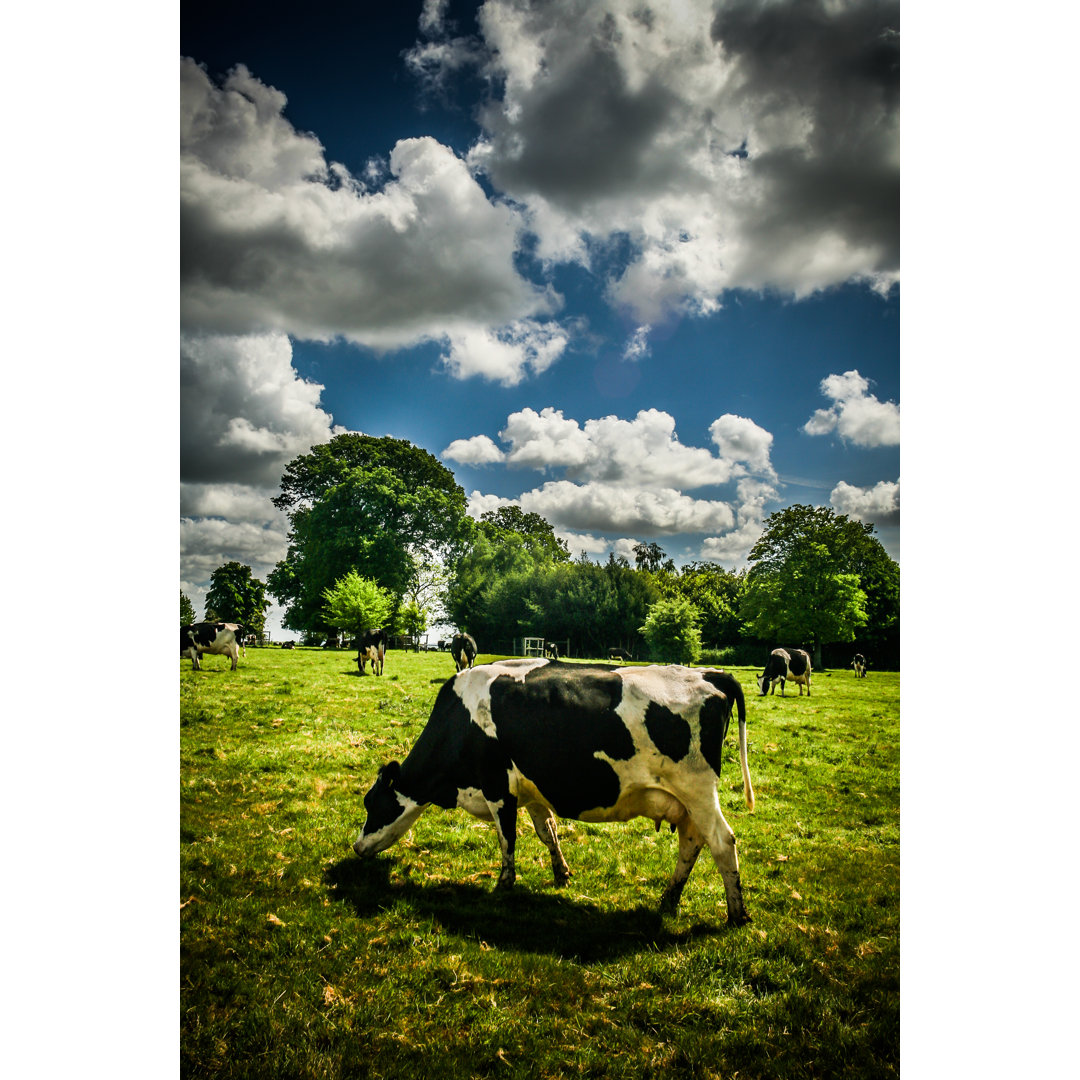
x,y
548,831
504,814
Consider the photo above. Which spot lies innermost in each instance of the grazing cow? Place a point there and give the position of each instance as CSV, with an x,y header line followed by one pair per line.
x,y
859,664
463,650
618,654
217,638
784,665
372,646
580,741
288,644
551,651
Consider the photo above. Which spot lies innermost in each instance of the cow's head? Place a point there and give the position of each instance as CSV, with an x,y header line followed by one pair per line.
x,y
763,683
390,813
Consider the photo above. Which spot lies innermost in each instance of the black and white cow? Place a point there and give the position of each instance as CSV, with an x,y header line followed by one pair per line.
x,y
859,664
463,650
588,742
551,650
618,654
784,664
207,637
372,646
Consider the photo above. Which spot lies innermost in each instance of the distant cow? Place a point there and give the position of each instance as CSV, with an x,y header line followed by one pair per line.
x,y
580,741
288,644
618,654
859,664
784,665
372,646
216,638
463,650
551,651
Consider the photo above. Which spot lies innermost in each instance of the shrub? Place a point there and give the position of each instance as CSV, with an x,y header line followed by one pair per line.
x,y
671,631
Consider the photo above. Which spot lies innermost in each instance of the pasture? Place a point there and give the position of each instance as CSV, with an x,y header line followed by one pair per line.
x,y
299,960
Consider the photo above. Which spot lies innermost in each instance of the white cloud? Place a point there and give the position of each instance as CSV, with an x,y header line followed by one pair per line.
x,y
618,508
855,413
479,504
275,238
244,411
878,505
479,450
638,346
237,502
644,451
753,146
740,439
208,543
505,355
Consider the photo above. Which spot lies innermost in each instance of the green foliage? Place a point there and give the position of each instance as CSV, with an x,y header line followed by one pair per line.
x,y
818,577
298,960
187,610
411,620
715,592
236,596
381,507
356,604
536,531
507,587
671,631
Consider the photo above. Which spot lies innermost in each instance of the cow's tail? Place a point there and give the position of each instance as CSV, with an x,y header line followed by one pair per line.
x,y
744,757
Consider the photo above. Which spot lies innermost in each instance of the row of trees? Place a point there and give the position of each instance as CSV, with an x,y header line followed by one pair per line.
x,y
379,535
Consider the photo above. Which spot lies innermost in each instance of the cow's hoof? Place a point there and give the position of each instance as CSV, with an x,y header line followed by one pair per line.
x,y
740,919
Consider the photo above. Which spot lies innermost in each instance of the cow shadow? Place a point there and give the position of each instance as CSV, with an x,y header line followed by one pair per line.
x,y
522,919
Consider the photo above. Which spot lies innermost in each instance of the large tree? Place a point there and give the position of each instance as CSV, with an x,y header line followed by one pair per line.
x,y
818,577
381,507
235,596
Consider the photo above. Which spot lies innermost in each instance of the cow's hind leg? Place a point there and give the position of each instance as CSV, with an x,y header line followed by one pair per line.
x,y
544,823
504,814
721,841
691,841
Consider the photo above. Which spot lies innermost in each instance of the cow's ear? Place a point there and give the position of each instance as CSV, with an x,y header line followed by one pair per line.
x,y
390,772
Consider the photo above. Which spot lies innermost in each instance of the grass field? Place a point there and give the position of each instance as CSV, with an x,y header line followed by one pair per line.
x,y
299,960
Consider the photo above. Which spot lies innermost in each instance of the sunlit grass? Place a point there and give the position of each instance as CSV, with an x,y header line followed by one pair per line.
x,y
299,960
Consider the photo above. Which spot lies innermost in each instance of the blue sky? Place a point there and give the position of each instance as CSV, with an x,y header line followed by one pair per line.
x,y
636,270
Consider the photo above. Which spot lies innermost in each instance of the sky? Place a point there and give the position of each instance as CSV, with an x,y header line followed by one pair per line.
x,y
632,267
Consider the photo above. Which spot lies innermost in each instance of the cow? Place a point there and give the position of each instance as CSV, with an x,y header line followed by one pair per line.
x,y
618,654
859,664
784,665
372,646
463,650
551,651
288,644
240,634
588,742
217,638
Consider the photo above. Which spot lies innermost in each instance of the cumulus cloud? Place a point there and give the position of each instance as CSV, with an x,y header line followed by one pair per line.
x,y
877,505
855,414
644,451
750,145
244,411
616,508
505,355
209,543
638,346
479,450
274,237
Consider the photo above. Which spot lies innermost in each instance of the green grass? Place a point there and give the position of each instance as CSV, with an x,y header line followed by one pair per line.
x,y
299,960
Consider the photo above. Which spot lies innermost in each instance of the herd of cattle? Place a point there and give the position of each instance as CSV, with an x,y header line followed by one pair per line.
x,y
590,742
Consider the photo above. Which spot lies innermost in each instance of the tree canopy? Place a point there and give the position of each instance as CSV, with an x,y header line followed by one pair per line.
x,y
818,577
381,507
235,596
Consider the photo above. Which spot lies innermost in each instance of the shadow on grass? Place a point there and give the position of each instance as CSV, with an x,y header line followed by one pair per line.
x,y
520,920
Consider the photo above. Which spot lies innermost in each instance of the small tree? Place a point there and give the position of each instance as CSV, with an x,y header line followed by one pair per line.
x,y
187,610
356,604
671,630
235,596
